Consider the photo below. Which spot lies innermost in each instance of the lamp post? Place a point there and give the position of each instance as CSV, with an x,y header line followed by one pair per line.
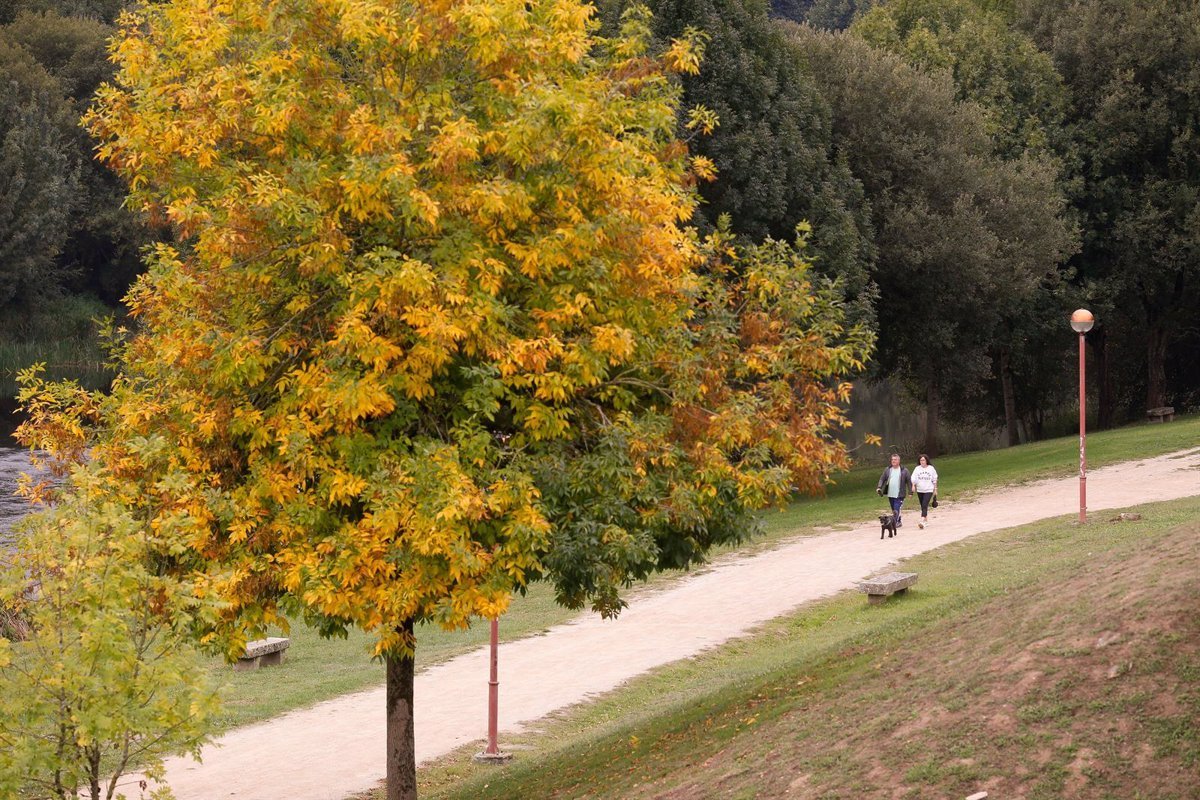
x,y
1081,322
492,754
494,691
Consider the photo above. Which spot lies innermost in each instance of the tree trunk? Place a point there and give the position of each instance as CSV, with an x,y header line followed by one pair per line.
x,y
932,412
1098,339
93,759
401,741
1010,399
1156,366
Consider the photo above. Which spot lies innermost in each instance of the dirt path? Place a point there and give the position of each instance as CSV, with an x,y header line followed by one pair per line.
x,y
336,748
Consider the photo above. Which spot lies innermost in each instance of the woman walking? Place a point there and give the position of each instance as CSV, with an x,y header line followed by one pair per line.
x,y
924,483
894,483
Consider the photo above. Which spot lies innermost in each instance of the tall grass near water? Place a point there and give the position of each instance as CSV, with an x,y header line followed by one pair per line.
x,y
63,335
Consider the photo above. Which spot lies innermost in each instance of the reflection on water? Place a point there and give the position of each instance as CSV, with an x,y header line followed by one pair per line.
x,y
13,461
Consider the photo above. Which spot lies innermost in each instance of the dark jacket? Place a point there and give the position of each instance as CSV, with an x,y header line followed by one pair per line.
x,y
905,480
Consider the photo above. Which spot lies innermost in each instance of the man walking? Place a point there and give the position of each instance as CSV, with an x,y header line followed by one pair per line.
x,y
894,481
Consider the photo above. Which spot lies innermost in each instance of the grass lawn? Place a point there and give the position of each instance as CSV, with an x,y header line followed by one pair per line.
x,y
1046,661
318,669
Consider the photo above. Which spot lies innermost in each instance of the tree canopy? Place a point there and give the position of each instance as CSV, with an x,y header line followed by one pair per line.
x,y
993,64
1000,69
773,148
1134,106
101,674
433,328
39,177
955,247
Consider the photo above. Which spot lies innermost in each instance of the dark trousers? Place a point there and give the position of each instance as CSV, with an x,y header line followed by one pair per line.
x,y
896,503
924,497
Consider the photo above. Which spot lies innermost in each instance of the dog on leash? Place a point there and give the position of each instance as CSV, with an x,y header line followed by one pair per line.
x,y
887,524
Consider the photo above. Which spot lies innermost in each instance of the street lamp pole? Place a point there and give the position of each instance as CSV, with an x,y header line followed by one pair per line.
x,y
1081,322
493,748
493,754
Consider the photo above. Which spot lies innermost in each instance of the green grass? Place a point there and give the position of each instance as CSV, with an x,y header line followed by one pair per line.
x,y
74,359
822,696
61,334
317,669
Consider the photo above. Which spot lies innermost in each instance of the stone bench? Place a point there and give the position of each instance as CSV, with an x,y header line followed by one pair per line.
x,y
1164,414
263,653
881,587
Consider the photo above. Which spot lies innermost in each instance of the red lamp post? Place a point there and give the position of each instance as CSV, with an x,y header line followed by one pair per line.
x,y
1081,322
493,754
494,691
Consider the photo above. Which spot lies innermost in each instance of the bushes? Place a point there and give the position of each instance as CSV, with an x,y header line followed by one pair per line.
x,y
101,678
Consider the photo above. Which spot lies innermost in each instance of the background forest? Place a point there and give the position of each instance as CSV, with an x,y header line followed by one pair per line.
x,y
969,171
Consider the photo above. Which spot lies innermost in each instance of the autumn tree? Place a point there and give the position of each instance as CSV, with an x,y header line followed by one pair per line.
x,y
432,329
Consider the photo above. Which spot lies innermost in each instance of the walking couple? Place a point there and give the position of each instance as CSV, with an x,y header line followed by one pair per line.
x,y
896,482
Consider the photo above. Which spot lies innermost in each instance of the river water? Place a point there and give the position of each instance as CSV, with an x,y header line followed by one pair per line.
x,y
13,461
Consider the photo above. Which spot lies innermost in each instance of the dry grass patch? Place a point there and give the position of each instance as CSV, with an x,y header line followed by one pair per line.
x,y
1084,687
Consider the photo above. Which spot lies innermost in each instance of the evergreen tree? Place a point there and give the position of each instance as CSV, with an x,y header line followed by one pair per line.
x,y
39,178
772,147
956,247
1133,123
101,252
1001,70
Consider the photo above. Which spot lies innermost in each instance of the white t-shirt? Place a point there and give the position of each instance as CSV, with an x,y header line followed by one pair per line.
x,y
925,478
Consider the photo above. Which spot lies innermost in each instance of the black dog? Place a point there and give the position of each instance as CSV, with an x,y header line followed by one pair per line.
x,y
887,524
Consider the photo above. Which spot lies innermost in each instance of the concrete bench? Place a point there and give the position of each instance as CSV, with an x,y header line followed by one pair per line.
x,y
881,587
263,653
1164,414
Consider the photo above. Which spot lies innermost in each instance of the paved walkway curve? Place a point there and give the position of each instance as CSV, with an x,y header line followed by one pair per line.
x,y
336,748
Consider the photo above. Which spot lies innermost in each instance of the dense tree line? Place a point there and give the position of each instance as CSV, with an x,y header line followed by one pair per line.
x,y
1109,91
69,250
1131,135
971,171
1019,159
1020,99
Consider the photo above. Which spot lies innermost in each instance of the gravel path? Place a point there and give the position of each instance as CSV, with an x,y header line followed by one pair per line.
x,y
336,748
